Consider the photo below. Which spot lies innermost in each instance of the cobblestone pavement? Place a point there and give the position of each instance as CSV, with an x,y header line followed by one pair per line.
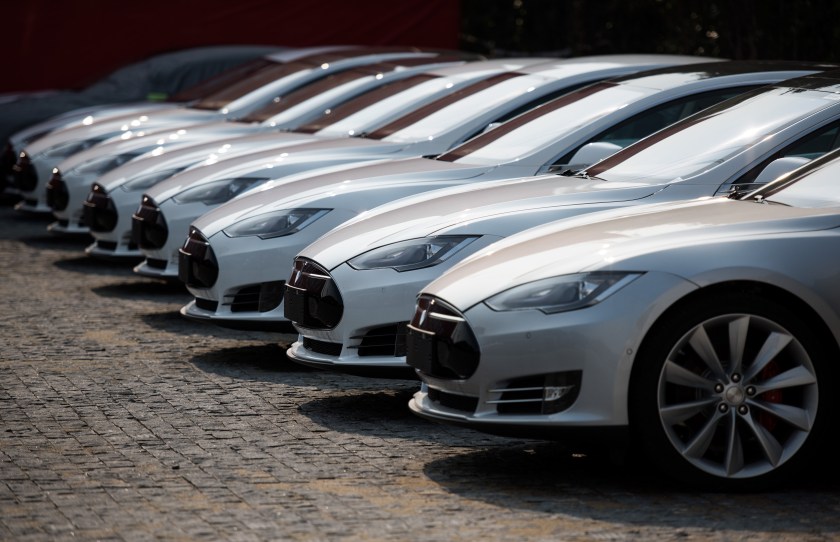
x,y
120,420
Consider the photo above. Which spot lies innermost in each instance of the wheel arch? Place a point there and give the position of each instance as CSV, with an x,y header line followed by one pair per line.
x,y
769,291
652,446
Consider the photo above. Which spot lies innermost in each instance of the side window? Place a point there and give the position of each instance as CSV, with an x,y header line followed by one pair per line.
x,y
647,122
808,147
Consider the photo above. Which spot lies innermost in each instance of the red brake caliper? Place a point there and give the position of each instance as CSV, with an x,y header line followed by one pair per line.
x,y
772,396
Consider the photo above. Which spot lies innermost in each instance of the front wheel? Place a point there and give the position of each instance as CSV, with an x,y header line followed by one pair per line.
x,y
729,393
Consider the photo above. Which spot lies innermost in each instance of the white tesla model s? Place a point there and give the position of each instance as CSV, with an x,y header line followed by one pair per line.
x,y
247,248
706,332
267,82
70,181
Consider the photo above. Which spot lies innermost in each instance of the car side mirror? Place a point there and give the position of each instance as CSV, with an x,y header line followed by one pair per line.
x,y
779,167
771,172
587,155
491,126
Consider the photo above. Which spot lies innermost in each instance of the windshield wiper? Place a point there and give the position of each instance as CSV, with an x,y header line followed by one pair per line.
x,y
738,191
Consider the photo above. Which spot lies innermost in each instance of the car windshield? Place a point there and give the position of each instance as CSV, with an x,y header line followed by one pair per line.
x,y
300,95
221,81
266,74
817,188
445,114
541,126
698,144
344,119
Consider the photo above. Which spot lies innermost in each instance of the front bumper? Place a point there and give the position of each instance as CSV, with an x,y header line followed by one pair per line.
x,y
251,266
377,305
73,226
195,311
598,342
618,435
162,261
70,212
117,243
30,181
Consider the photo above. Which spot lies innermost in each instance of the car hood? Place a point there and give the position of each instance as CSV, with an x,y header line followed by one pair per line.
x,y
497,208
277,164
127,125
621,239
204,154
159,142
82,117
339,186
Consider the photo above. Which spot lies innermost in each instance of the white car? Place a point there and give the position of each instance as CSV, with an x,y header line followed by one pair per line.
x,y
88,116
431,129
175,77
272,80
379,261
71,179
705,333
115,195
240,256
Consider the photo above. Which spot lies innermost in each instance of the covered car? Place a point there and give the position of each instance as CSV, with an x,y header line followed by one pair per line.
x,y
266,82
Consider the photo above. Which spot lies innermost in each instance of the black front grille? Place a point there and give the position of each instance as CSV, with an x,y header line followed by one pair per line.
x,y
110,246
384,341
156,264
262,297
247,299
456,402
24,176
148,226
197,264
440,342
271,295
322,347
206,304
56,192
312,299
99,211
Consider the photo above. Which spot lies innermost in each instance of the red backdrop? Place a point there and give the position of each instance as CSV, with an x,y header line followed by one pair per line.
x,y
68,43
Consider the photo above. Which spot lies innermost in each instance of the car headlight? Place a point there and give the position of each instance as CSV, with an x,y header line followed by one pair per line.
x,y
101,164
218,192
148,180
563,293
275,224
412,254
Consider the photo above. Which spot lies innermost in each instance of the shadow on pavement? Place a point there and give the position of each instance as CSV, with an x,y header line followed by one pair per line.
x,y
48,241
551,478
88,265
149,290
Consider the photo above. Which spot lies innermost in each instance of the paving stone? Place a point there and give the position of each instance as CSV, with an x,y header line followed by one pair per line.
x,y
122,421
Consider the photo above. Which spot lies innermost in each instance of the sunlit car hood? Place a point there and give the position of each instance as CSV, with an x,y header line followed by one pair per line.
x,y
627,240
162,158
273,163
163,141
127,124
83,117
489,208
344,182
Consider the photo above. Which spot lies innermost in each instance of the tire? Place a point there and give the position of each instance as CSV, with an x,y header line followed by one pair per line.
x,y
729,393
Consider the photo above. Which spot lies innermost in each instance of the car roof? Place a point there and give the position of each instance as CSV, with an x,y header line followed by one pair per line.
x,y
672,76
